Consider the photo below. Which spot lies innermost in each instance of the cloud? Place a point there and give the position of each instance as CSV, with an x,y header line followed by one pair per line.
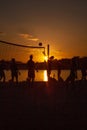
x,y
34,39
28,37
25,35
2,33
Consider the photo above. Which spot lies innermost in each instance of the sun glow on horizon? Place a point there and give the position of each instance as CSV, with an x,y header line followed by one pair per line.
x,y
45,58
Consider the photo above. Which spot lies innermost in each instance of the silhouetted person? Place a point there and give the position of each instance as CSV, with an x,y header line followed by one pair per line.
x,y
73,71
31,69
83,68
14,70
59,70
49,68
2,73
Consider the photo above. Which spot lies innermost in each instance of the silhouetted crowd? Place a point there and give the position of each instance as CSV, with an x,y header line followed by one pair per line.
x,y
31,70
15,71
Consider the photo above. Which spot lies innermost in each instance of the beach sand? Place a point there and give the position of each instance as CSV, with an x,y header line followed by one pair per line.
x,y
43,105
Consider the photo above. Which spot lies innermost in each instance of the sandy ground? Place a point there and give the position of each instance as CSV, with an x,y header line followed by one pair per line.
x,y
53,105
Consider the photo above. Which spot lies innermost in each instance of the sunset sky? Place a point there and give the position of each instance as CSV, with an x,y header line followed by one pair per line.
x,y
60,23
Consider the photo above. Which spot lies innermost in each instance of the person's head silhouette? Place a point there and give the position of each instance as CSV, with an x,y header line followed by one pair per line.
x,y
31,57
13,60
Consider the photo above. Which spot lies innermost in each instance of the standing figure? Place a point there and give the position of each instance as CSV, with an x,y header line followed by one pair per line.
x,y
59,70
14,70
73,71
31,69
84,68
2,73
49,68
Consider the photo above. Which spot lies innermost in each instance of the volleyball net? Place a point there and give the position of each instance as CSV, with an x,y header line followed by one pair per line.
x,y
20,52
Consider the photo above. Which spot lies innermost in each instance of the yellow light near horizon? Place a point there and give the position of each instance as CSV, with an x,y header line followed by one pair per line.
x,y
45,58
45,75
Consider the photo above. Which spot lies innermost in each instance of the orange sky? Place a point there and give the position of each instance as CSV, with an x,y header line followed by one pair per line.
x,y
61,24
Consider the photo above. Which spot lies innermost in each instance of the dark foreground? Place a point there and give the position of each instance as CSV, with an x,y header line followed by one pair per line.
x,y
43,106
